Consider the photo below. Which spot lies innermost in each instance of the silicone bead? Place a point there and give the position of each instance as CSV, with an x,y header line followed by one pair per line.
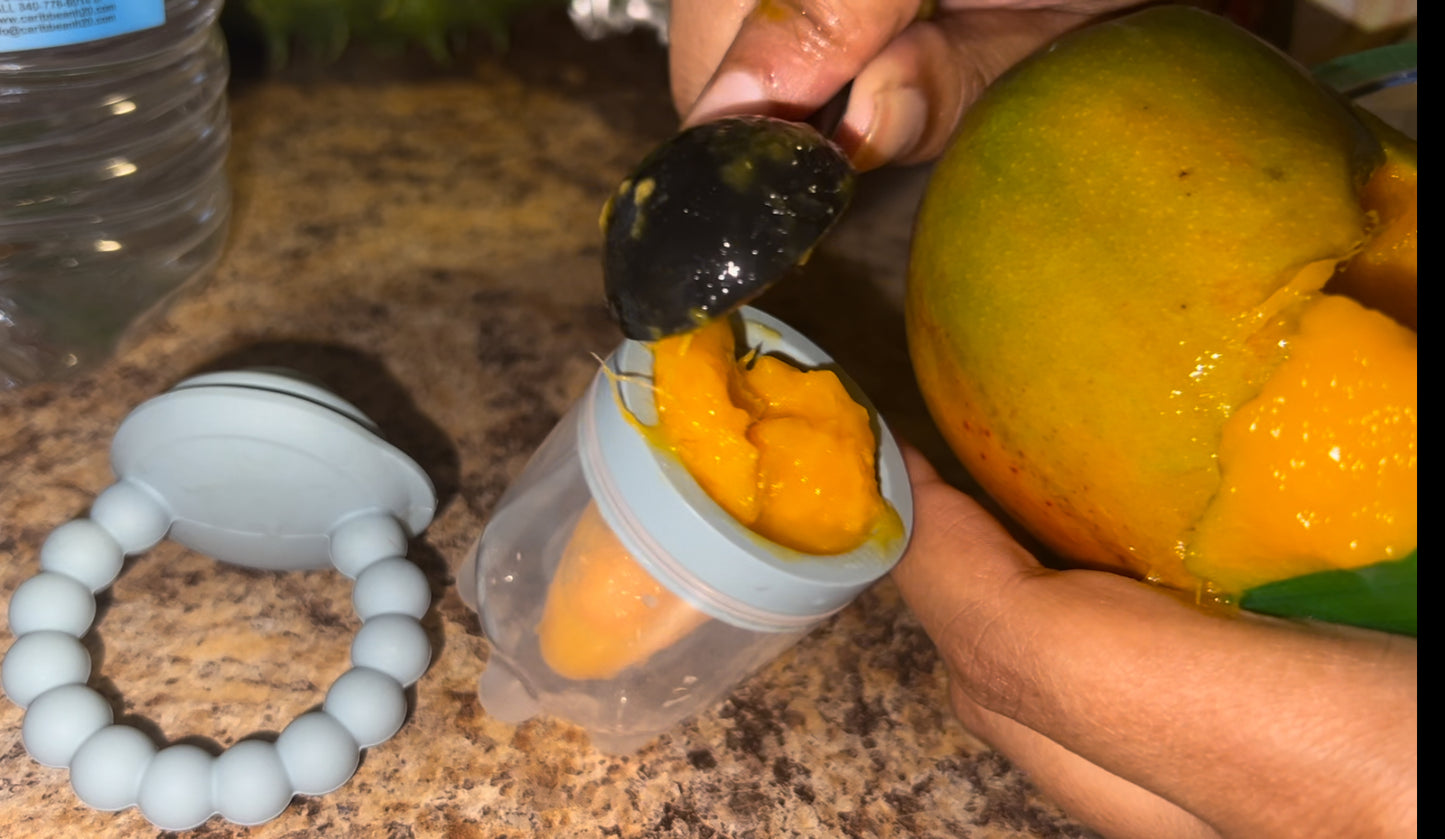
x,y
132,516
83,550
175,791
318,753
394,644
107,769
60,720
40,661
370,704
360,541
391,586
51,601
250,784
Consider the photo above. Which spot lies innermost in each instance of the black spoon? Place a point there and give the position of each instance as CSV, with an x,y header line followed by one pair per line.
x,y
716,215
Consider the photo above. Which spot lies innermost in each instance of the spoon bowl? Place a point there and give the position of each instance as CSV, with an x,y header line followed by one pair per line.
x,y
714,216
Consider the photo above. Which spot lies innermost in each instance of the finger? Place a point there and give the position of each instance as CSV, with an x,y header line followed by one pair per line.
x,y
699,33
1102,800
787,57
907,100
958,558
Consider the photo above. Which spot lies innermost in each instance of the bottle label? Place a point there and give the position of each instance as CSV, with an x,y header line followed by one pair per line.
x,y
37,24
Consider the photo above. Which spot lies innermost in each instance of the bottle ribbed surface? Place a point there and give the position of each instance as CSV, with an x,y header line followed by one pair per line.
x,y
113,190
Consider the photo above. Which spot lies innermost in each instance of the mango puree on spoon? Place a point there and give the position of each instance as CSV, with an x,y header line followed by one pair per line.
x,y
787,452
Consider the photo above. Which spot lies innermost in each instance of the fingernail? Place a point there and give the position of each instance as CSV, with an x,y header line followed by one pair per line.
x,y
730,93
888,129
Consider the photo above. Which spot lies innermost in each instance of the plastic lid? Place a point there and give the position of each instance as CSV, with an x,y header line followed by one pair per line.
x,y
257,468
688,542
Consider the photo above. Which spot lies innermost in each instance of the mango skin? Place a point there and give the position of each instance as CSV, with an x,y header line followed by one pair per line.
x,y
1106,262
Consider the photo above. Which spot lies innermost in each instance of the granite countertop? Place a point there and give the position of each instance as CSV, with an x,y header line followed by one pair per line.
x,y
424,240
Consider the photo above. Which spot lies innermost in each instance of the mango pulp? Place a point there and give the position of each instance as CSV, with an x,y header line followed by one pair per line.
x,y
786,452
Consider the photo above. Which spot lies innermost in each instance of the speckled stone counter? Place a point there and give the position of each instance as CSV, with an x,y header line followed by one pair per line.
x,y
425,242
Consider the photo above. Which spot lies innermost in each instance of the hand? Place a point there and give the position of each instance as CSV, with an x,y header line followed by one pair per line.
x,y
1144,715
912,77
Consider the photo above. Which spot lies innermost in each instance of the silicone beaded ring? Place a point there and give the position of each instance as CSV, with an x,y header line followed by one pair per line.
x,y
257,468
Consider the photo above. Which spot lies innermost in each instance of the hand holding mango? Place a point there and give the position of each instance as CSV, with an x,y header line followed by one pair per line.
x,y
1144,716
1135,309
786,452
1136,712
1161,303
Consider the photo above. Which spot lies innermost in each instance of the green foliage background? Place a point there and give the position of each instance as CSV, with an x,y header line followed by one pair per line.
x,y
327,27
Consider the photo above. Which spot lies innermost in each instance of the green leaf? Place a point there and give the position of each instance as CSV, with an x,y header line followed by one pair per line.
x,y
1365,72
1380,596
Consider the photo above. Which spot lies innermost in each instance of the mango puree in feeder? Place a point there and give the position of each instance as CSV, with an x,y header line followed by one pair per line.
x,y
787,452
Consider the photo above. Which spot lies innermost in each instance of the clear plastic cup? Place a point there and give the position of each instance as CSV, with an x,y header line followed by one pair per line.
x,y
601,507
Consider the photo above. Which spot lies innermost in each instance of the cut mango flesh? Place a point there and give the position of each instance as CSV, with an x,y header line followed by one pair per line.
x,y
604,613
1383,274
704,411
1319,471
786,452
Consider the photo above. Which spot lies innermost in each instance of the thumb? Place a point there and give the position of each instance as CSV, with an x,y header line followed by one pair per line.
x,y
781,59
959,557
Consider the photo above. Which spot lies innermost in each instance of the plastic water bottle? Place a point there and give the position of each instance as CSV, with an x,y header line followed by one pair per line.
x,y
113,192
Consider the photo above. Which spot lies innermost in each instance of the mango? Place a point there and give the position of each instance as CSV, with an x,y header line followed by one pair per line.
x,y
1382,275
786,452
603,612
1161,304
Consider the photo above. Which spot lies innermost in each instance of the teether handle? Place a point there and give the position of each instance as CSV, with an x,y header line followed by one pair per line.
x,y
69,724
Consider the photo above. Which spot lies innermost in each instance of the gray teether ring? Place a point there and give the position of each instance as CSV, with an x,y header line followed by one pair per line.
x,y
251,467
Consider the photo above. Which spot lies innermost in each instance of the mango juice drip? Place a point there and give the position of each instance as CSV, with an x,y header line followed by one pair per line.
x,y
786,452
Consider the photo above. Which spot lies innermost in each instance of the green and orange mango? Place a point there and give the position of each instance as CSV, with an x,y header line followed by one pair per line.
x,y
1162,306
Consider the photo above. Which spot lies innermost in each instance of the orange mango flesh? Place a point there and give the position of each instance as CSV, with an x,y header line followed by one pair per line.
x,y
604,613
786,452
1383,274
704,412
789,454
1319,471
